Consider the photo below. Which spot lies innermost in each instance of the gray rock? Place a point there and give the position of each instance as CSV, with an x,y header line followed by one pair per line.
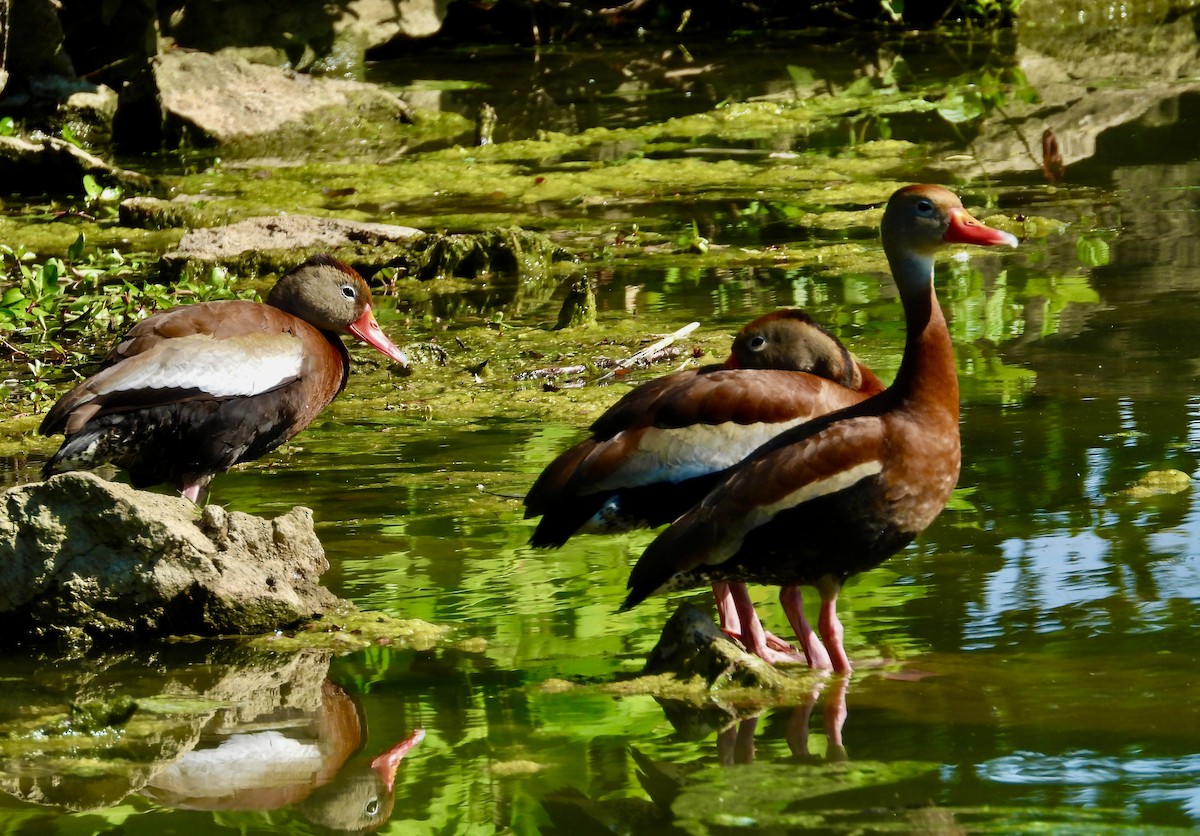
x,y
303,32
222,100
83,559
269,244
692,646
54,165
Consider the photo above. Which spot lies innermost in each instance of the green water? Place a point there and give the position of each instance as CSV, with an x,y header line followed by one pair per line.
x,y
1027,664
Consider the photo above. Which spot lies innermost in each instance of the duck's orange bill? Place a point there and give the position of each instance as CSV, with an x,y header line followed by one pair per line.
x,y
368,330
966,229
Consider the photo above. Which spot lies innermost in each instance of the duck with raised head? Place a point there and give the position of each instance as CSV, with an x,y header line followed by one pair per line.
x,y
843,492
192,391
659,449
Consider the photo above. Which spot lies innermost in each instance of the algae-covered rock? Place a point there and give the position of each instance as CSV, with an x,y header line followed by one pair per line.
x,y
512,251
693,648
579,306
83,559
181,211
1158,483
267,244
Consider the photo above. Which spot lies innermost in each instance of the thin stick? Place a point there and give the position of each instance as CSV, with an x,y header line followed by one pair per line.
x,y
658,346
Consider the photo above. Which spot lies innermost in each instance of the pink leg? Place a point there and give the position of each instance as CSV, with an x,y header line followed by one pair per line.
x,y
814,651
834,718
744,743
753,636
732,597
797,728
831,627
726,610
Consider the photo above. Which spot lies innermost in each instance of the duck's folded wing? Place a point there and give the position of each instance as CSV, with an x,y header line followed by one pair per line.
x,y
193,367
801,466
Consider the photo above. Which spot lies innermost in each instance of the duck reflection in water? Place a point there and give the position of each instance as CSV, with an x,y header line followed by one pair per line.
x,y
736,729
735,743
311,760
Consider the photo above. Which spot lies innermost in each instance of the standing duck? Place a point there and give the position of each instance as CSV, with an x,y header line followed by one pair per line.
x,y
841,493
659,449
190,392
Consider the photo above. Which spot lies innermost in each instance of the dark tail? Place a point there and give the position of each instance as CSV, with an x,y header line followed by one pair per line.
x,y
562,520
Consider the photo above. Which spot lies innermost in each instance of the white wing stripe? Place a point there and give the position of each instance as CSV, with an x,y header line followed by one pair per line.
x,y
241,366
674,455
822,487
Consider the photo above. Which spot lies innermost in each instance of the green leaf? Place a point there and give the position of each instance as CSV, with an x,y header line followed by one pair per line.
x,y
7,126
1092,251
801,76
90,187
961,106
76,249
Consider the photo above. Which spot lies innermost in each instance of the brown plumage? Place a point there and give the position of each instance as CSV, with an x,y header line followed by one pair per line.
x,y
843,492
659,449
192,391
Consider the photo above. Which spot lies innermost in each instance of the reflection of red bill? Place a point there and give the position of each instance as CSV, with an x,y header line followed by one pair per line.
x,y
385,765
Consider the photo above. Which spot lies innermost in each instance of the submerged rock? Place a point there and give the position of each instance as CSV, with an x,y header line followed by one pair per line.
x,y
83,559
1159,483
513,251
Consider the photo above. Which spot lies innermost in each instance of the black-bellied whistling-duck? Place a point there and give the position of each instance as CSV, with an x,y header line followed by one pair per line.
x,y
659,449
192,391
843,492
311,758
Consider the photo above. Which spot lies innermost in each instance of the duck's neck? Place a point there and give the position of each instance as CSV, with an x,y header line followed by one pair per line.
x,y
928,377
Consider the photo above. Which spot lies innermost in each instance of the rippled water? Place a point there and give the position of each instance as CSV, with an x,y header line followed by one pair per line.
x,y
1029,662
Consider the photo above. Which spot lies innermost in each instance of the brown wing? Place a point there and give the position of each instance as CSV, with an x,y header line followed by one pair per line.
x,y
684,426
798,467
220,320
210,351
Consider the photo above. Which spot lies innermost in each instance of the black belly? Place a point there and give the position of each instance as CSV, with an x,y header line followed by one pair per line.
x,y
179,442
838,535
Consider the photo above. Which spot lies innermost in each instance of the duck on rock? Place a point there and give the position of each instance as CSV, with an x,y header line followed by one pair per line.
x,y
192,391
841,493
660,449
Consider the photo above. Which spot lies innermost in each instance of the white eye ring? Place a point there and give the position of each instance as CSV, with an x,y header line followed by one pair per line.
x,y
758,343
348,291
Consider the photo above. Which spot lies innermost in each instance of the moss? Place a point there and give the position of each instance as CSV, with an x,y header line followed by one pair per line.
x,y
794,685
349,630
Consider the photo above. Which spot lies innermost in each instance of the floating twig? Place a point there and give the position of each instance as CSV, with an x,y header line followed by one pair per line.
x,y
551,371
652,349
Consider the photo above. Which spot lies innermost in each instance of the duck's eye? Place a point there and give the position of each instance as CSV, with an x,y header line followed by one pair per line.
x,y
372,806
758,343
924,206
348,291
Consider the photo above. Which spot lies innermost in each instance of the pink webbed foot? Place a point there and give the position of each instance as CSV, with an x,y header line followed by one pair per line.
x,y
753,637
